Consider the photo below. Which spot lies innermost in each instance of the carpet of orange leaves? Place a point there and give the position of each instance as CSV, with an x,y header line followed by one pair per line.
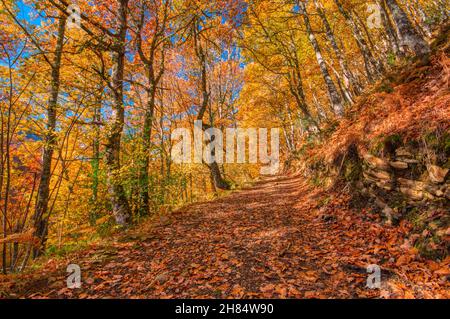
x,y
270,241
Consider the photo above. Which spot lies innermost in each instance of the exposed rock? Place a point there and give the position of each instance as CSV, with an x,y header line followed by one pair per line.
x,y
410,161
384,185
399,165
376,162
389,213
380,203
412,184
383,175
401,151
428,196
412,193
420,186
437,174
432,189
369,178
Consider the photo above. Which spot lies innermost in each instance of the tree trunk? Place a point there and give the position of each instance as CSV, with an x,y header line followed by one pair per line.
x,y
423,19
410,38
95,162
216,174
153,77
146,136
391,34
333,94
296,88
120,207
373,70
350,80
40,220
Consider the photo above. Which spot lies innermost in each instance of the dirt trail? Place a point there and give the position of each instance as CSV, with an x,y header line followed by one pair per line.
x,y
279,239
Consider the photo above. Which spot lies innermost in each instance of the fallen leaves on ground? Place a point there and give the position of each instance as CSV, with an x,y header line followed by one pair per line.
x,y
266,242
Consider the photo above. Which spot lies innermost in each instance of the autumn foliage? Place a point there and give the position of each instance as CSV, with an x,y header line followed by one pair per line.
x,y
91,93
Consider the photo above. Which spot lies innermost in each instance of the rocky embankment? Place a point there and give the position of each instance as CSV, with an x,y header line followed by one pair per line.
x,y
403,179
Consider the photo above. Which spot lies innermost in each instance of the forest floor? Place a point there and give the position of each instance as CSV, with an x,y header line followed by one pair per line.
x,y
279,239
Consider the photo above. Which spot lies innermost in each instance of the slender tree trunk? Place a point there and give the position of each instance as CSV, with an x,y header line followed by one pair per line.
x,y
216,175
95,161
291,127
119,202
40,219
5,158
350,81
320,110
423,19
296,89
146,136
153,77
373,70
391,34
410,38
8,173
4,216
333,94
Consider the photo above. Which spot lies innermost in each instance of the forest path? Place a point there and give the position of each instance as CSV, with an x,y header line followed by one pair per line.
x,y
279,239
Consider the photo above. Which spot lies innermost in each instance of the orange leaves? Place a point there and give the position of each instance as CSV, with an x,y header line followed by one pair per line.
x,y
403,260
237,291
252,253
25,237
412,108
310,276
444,271
280,291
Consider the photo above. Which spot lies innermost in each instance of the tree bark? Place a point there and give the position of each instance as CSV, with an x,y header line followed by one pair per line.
x,y
40,220
410,38
373,69
350,81
391,34
119,202
423,19
95,161
154,78
216,174
333,94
